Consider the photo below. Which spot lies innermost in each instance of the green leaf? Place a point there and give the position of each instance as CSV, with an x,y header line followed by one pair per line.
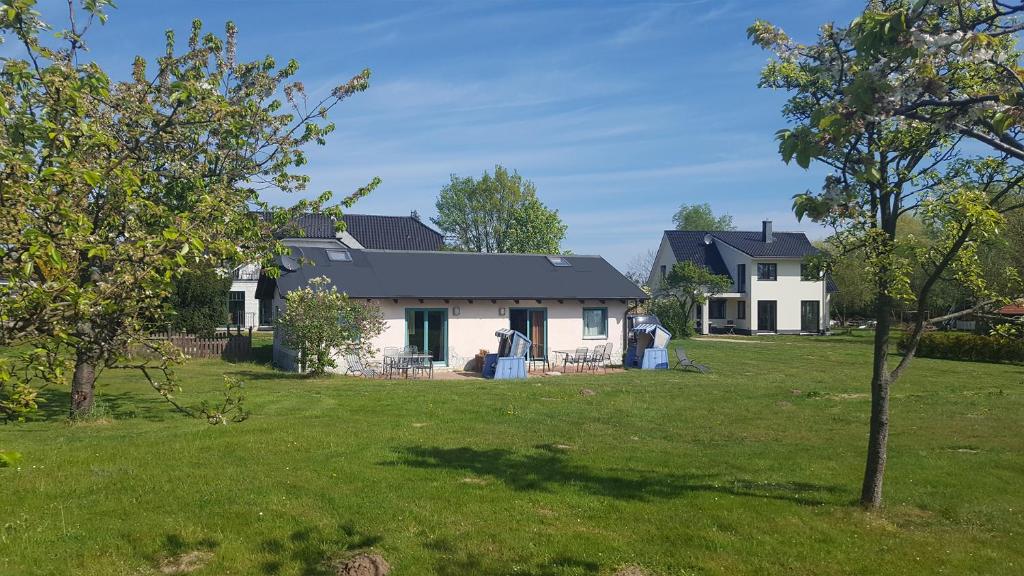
x,y
803,157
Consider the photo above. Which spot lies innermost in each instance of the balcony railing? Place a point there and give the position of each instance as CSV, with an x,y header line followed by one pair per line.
x,y
246,273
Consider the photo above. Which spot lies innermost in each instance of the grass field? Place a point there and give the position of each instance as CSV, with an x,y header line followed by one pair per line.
x,y
753,469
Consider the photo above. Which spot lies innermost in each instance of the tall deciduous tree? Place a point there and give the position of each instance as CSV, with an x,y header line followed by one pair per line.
x,y
866,102
497,213
701,218
109,190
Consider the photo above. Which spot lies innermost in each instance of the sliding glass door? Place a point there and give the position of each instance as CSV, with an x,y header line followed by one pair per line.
x,y
767,315
533,322
427,330
810,312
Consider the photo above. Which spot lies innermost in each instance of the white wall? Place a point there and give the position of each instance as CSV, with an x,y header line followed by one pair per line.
x,y
788,291
665,257
733,258
474,327
252,305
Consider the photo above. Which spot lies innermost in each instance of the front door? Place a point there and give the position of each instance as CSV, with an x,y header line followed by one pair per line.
x,y
767,315
810,313
427,330
236,308
533,323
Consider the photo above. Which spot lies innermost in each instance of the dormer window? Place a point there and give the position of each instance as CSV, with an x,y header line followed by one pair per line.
x,y
559,261
339,255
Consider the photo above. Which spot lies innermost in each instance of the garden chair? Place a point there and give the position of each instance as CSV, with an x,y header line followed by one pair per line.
x,y
596,357
608,348
357,367
404,363
683,362
390,357
578,359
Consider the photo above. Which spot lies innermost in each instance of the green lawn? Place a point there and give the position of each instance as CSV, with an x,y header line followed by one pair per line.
x,y
753,469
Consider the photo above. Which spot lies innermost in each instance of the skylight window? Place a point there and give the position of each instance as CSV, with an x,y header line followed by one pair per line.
x,y
558,261
339,255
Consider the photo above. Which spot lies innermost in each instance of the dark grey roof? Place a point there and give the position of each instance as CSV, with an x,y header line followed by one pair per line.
x,y
370,230
689,245
783,244
392,232
411,274
305,226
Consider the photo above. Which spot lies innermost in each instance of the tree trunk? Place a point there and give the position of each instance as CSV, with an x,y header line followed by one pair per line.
x,y
878,437
83,385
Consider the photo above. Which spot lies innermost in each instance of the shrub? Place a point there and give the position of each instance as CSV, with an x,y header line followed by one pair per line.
x,y
320,322
966,346
200,301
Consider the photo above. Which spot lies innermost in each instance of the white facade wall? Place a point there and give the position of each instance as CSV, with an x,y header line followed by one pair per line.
x,y
473,328
665,258
788,291
733,258
252,305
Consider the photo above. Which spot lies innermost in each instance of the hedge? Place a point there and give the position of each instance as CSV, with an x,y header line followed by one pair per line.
x,y
967,346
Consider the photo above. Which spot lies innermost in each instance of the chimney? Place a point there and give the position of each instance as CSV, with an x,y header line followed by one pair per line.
x,y
766,231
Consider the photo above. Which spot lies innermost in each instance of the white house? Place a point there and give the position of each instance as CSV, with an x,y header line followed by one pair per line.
x,y
318,230
451,303
770,292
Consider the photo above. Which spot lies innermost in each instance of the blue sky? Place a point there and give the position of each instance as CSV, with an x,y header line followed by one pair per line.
x,y
618,111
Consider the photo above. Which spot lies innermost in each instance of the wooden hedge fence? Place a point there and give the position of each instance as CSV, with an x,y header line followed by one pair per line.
x,y
228,345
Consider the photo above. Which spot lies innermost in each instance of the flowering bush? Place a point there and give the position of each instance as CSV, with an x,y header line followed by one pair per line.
x,y
319,322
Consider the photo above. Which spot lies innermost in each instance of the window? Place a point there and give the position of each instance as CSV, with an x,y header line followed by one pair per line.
x,y
595,322
664,271
339,255
559,262
767,271
236,308
741,277
741,309
806,274
716,309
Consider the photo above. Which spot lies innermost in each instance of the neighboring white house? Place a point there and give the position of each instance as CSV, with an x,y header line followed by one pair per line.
x,y
451,303
770,292
318,230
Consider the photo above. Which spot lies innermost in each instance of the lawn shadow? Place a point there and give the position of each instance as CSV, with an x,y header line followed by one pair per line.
x,y
176,544
546,469
248,375
55,406
313,551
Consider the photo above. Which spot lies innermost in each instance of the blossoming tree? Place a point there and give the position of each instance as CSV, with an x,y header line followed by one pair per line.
x,y
111,189
887,103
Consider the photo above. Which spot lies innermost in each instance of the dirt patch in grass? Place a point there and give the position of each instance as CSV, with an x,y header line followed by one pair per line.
x,y
185,563
474,480
363,565
837,395
632,571
587,392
